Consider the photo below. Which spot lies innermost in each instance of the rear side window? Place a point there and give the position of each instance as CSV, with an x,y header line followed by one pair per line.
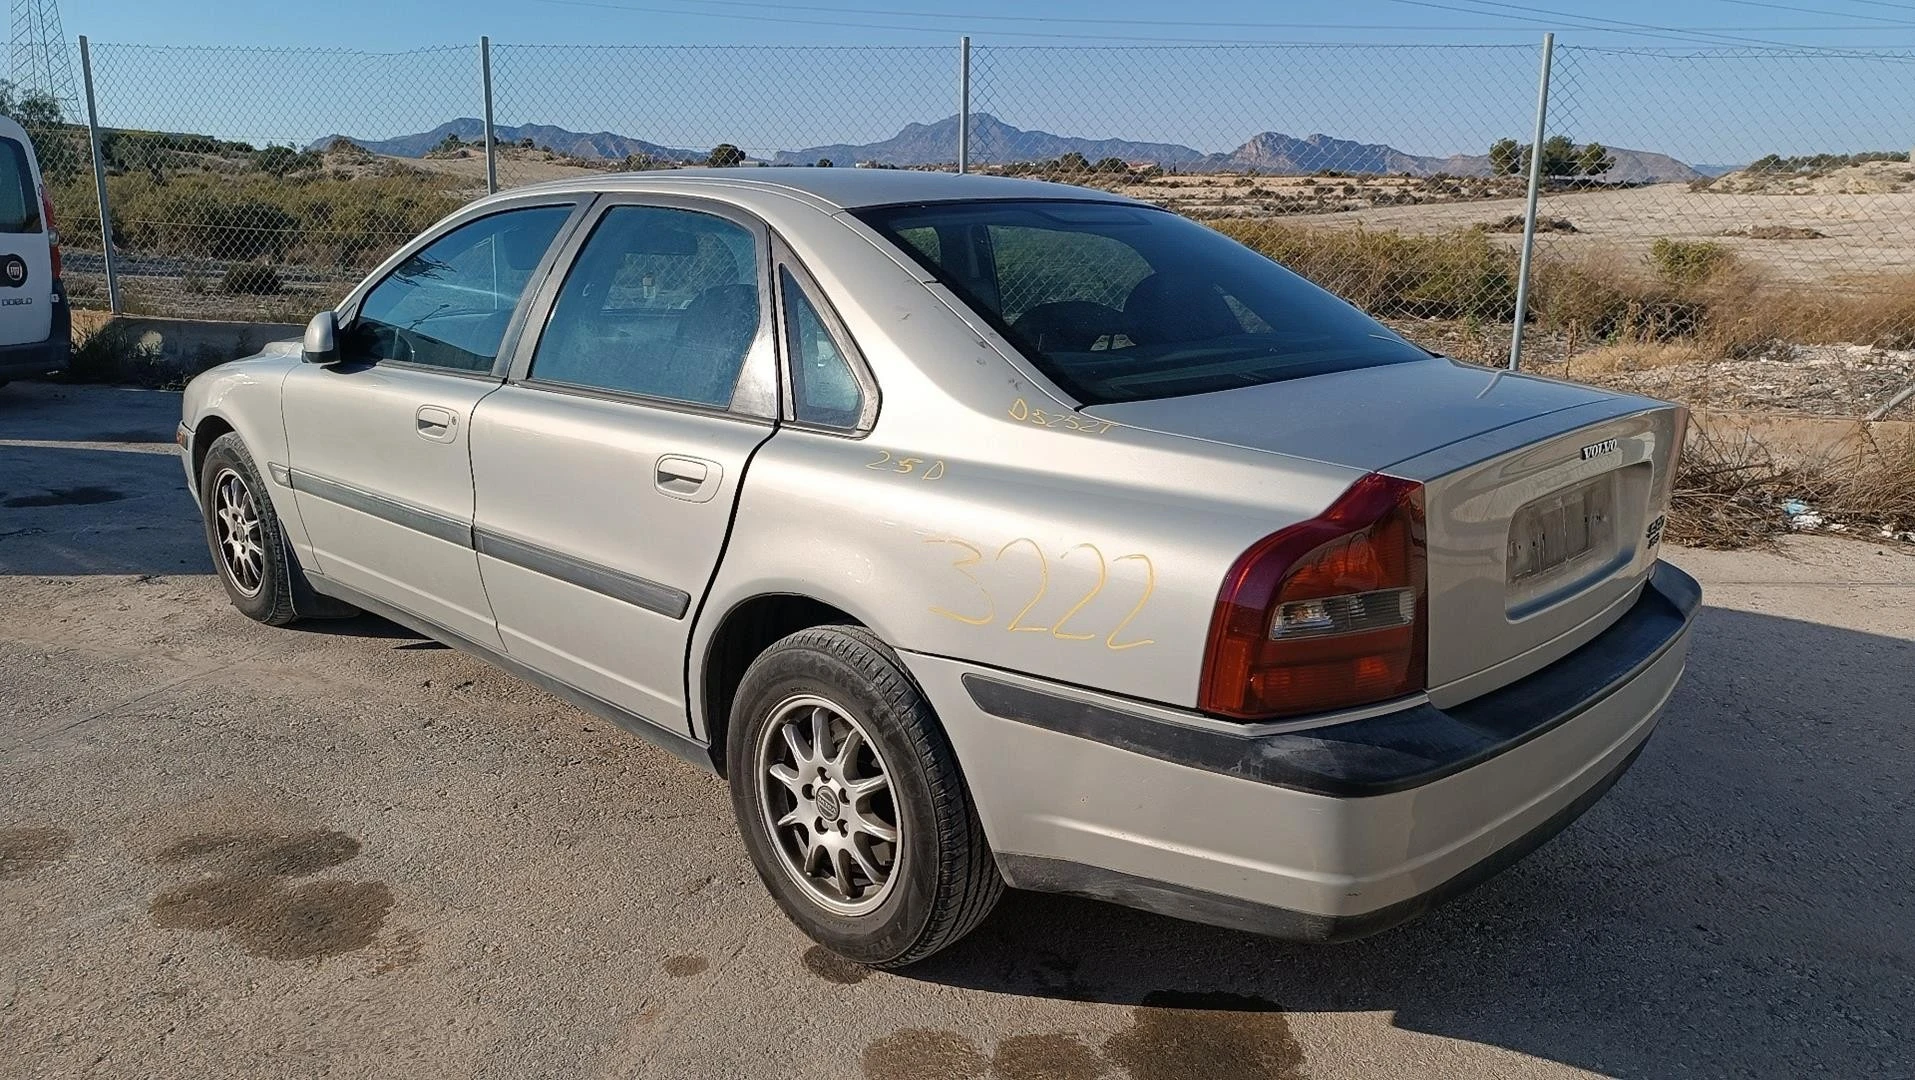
x,y
1121,302
661,302
19,201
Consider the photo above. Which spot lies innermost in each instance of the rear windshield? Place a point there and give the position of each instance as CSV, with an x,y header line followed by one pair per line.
x,y
19,202
1121,303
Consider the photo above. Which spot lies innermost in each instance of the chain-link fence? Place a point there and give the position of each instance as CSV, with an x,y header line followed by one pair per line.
x,y
1731,225
257,183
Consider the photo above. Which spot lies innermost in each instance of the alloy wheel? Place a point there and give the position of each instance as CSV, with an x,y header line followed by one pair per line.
x,y
825,796
236,525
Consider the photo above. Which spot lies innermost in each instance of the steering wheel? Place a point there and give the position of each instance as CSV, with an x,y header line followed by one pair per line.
x,y
1069,325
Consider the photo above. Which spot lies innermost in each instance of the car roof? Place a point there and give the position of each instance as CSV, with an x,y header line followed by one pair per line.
x,y
842,188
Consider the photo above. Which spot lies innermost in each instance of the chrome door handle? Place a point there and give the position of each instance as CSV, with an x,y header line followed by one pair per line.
x,y
689,478
436,423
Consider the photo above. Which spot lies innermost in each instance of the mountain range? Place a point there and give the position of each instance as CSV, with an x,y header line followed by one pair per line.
x,y
597,144
994,142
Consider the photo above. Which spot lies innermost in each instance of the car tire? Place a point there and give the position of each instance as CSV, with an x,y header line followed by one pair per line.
x,y
939,878
243,534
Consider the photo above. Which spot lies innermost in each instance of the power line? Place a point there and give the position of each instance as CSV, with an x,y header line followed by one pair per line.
x,y
1816,11
972,19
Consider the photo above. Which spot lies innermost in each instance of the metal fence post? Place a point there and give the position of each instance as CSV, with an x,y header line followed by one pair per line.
x,y
99,181
491,150
1529,212
964,103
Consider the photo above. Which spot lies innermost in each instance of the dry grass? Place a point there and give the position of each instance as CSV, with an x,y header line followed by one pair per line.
x,y
1631,356
1730,490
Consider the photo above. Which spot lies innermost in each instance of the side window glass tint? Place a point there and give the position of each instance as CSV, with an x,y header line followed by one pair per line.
x,y
448,304
661,302
823,389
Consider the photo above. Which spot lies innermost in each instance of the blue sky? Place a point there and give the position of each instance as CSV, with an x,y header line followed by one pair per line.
x,y
1112,68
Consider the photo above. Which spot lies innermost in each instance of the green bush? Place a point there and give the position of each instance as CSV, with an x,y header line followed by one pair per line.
x,y
1689,262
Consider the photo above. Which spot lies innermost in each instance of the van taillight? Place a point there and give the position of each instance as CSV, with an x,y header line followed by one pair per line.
x,y
53,235
1326,614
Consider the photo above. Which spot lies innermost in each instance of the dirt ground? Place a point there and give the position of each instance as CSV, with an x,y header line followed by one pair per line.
x,y
1864,235
340,850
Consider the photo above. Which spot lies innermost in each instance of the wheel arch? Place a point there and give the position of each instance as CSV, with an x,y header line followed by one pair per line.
x,y
205,434
747,628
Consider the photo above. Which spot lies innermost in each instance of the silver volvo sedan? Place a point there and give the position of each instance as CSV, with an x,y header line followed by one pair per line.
x,y
979,532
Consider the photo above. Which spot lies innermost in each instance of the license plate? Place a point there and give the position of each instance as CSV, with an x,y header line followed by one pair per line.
x,y
1559,529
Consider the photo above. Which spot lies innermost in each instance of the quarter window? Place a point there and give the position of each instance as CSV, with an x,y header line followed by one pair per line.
x,y
661,302
823,389
448,304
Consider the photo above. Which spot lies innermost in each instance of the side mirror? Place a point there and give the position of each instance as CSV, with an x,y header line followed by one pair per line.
x,y
322,339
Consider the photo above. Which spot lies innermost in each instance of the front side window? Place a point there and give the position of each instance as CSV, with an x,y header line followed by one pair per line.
x,y
1118,302
823,389
661,302
448,304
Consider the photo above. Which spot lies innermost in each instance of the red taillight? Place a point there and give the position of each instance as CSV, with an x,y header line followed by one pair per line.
x,y
1326,614
53,235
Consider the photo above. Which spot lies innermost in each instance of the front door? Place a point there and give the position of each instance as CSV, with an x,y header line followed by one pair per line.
x,y
379,444
608,467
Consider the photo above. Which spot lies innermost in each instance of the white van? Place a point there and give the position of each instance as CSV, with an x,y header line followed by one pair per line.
x,y
36,328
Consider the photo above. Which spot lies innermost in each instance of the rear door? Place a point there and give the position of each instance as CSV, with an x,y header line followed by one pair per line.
x,y
608,466
26,261
379,449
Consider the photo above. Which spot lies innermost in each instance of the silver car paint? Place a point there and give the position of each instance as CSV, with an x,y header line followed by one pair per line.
x,y
363,430
1055,796
984,522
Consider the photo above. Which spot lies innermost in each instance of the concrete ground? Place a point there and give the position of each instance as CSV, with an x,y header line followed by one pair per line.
x,y
227,850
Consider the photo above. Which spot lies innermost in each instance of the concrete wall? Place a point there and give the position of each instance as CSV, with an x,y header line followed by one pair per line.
x,y
153,351
1805,437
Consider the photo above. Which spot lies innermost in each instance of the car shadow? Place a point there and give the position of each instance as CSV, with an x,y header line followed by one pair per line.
x,y
1738,905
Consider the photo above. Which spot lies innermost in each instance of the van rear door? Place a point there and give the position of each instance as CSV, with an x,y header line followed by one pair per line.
x,y
26,262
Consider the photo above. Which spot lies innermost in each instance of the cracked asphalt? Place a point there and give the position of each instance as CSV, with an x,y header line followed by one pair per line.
x,y
233,851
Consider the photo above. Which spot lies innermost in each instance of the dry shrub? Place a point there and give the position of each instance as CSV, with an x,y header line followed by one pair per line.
x,y
1877,486
1730,489
1601,296
1694,292
1728,492
1776,232
1632,356
1453,275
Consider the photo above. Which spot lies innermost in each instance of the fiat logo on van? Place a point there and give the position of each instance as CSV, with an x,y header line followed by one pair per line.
x,y
15,269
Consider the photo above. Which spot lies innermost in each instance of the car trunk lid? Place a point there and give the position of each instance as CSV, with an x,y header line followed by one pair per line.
x,y
1543,500
1365,418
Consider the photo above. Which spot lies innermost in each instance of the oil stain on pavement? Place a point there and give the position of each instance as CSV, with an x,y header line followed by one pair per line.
x,y
1214,1035
1055,1056
73,496
924,1054
684,967
1172,1036
248,895
29,848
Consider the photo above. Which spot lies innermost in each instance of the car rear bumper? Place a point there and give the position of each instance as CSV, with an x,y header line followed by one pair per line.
x,y
35,358
42,357
1324,833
